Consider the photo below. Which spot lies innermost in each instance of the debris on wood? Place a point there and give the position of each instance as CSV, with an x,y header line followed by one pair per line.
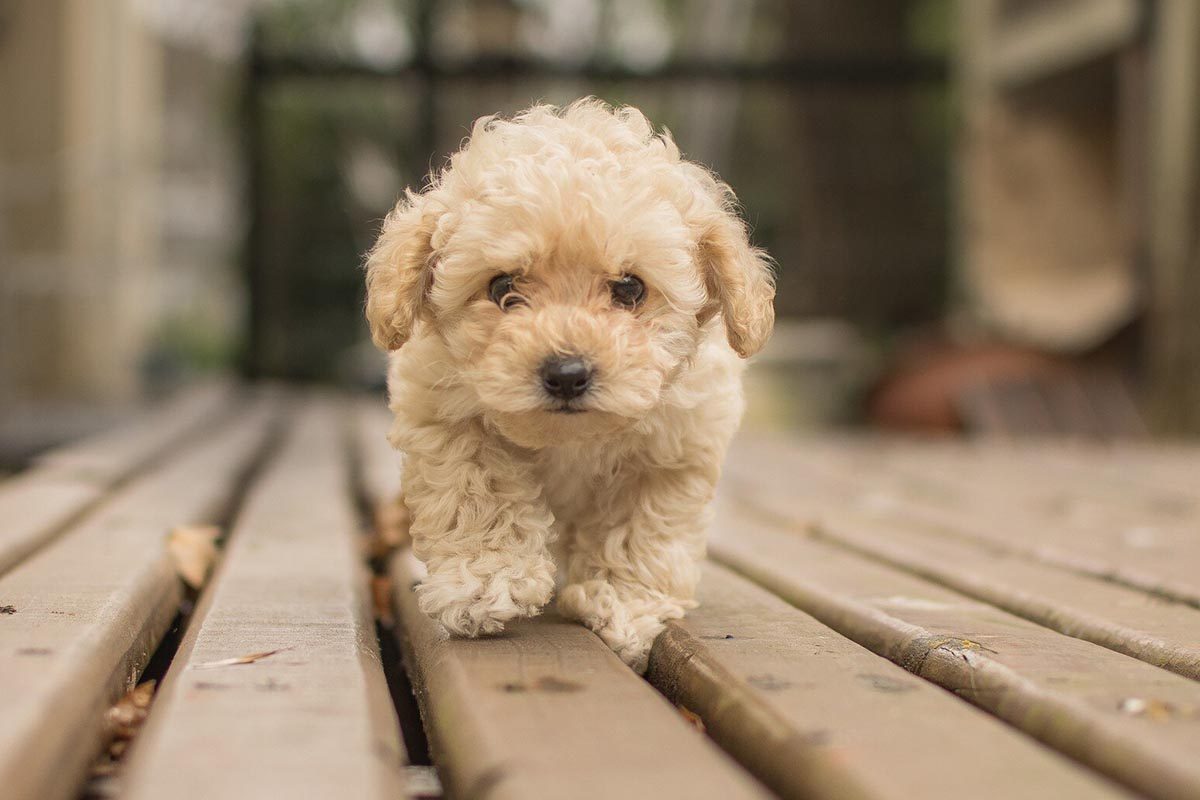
x,y
381,598
391,523
1155,709
692,718
389,530
233,662
546,683
422,783
193,548
126,716
122,722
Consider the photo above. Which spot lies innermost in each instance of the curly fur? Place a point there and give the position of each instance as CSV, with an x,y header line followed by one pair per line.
x,y
502,488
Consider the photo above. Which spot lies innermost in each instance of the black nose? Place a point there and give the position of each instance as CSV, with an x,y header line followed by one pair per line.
x,y
565,378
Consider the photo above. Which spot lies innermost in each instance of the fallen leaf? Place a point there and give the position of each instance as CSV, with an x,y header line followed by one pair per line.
x,y
381,597
193,548
692,717
391,523
1155,709
127,715
232,662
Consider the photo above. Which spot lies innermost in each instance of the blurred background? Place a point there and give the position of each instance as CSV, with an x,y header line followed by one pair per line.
x,y
984,212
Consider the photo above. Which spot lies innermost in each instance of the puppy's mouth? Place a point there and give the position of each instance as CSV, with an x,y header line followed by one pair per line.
x,y
567,408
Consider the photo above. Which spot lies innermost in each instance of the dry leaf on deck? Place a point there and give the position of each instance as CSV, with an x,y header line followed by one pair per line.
x,y
692,718
391,523
381,597
125,717
231,662
193,548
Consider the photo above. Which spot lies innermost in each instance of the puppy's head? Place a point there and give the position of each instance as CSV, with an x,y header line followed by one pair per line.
x,y
570,260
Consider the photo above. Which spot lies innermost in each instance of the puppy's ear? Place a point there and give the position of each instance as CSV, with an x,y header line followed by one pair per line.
x,y
400,272
741,285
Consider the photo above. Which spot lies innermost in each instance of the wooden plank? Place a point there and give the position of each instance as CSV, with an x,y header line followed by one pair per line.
x,y
548,711
1153,483
1124,718
1059,511
1113,616
314,719
1162,470
1128,621
1020,507
87,611
816,715
65,483
1173,327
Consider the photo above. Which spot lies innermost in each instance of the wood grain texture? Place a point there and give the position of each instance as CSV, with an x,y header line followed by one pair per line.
x,y
314,719
1125,719
1122,619
1024,501
88,611
65,483
546,710
815,715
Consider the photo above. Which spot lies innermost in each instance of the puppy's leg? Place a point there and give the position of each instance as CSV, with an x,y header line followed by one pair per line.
x,y
629,573
480,526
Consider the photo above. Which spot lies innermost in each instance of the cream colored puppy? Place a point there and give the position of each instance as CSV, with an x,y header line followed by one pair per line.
x,y
567,306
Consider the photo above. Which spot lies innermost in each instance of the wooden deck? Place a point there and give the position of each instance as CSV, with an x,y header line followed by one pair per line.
x,y
879,619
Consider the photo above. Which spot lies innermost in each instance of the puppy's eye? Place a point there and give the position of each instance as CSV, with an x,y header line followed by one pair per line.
x,y
502,292
628,291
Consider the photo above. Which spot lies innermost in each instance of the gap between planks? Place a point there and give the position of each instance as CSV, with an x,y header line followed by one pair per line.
x,y
314,718
816,715
1121,717
988,496
66,483
1078,603
1124,620
90,608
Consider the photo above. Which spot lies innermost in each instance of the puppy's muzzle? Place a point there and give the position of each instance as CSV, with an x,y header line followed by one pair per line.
x,y
565,377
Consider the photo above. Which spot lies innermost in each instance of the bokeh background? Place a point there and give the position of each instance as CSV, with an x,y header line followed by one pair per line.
x,y
985,212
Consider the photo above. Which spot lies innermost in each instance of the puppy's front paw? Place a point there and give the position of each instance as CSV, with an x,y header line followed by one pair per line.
x,y
629,628
471,606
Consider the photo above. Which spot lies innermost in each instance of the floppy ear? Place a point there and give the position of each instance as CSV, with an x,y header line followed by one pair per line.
x,y
741,285
400,272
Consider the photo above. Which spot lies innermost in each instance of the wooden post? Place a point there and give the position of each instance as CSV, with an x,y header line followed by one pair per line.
x,y
1174,330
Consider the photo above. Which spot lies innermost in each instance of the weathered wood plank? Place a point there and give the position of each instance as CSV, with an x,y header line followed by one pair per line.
x,y
816,715
1124,718
314,719
1122,619
86,612
1074,481
1128,621
1023,509
548,711
65,483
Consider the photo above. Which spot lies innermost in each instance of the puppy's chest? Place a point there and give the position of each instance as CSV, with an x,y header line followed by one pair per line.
x,y
579,481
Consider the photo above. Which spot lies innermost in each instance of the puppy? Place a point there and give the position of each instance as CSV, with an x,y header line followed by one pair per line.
x,y
566,306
